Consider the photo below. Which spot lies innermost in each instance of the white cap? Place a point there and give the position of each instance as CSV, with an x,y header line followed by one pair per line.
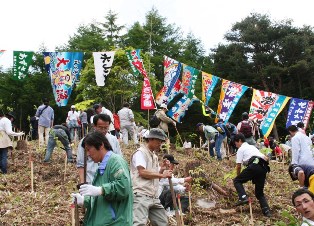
x,y
73,106
164,106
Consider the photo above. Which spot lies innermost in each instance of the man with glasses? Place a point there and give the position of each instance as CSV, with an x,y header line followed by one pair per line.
x,y
303,201
101,123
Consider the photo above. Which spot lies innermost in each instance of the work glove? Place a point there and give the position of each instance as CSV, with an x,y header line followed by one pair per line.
x,y
20,134
90,190
79,198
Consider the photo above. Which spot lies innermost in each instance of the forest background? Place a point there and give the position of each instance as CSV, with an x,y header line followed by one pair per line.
x,y
257,52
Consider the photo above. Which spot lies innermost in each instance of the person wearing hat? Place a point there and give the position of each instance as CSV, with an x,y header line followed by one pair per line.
x,y
5,141
164,119
45,115
180,185
73,121
304,174
145,175
210,136
246,127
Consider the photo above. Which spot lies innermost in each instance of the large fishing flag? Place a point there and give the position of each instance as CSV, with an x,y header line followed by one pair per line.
x,y
64,70
178,111
209,82
265,107
136,62
147,98
21,62
189,77
299,111
103,62
230,95
172,69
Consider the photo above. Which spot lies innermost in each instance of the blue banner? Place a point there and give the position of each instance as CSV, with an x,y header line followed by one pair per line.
x,y
64,70
299,111
178,111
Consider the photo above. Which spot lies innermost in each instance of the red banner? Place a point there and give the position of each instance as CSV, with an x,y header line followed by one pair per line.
x,y
147,98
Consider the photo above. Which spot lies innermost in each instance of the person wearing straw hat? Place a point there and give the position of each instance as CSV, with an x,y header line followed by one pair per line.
x,y
164,119
145,174
5,141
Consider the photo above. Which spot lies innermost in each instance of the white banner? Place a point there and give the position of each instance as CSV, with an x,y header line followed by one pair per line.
x,y
103,62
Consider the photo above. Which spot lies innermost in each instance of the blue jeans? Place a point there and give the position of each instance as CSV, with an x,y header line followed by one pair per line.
x,y
217,145
3,160
61,135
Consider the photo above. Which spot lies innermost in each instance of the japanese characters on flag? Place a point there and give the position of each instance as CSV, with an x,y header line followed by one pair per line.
x,y
189,77
64,70
172,69
178,111
136,62
21,62
230,95
209,82
265,107
299,111
103,62
147,98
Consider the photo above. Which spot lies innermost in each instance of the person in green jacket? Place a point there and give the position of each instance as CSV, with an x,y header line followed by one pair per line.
x,y
109,199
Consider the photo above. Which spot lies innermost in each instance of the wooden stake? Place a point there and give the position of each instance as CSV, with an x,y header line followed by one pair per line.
x,y
73,215
32,176
76,213
65,166
174,202
180,208
190,203
251,213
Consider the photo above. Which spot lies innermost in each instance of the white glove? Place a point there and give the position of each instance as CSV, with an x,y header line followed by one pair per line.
x,y
79,198
212,141
90,190
20,134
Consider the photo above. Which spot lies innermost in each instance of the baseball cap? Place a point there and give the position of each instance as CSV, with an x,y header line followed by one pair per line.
x,y
171,159
73,106
164,106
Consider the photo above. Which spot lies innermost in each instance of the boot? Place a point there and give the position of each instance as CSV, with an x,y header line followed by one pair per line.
x,y
264,206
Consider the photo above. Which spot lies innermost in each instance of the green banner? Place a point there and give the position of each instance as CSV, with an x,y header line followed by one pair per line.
x,y
21,63
130,55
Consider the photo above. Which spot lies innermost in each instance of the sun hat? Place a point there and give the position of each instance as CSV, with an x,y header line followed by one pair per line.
x,y
157,134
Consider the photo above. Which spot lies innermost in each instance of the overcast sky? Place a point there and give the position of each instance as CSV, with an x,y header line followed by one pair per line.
x,y
25,25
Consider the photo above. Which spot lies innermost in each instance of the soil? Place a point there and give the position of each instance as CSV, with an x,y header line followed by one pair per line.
x,y
49,203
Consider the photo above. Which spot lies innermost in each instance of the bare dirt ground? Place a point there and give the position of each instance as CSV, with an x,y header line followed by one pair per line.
x,y
49,204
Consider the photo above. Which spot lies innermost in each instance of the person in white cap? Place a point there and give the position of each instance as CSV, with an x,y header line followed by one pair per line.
x,y
164,119
73,117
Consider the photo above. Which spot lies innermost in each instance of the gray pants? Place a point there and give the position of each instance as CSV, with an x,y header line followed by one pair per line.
x,y
126,130
145,208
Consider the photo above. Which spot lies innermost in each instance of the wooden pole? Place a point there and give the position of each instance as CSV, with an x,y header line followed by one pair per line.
x,y
179,134
32,176
174,202
180,208
65,166
190,203
73,215
76,213
251,212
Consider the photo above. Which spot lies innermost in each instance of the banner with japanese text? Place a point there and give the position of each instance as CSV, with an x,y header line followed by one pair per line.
x,y
230,95
177,112
265,107
64,70
299,111
147,98
172,69
136,62
209,82
21,62
102,62
189,77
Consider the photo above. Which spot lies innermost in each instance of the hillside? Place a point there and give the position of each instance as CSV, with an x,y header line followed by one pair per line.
x,y
49,204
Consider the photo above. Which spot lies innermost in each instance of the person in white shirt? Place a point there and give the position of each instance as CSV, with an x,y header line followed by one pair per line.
x,y
256,170
72,119
5,141
301,147
303,201
99,109
127,124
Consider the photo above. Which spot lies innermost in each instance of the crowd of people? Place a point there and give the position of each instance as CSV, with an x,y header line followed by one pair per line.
x,y
114,192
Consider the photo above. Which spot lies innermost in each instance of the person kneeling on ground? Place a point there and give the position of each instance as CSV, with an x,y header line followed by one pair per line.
x,y
180,185
303,173
256,170
62,133
303,201
109,198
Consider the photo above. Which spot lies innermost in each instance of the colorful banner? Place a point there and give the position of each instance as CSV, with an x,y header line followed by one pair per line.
x,y
102,62
136,62
265,107
178,111
1,52
299,111
172,69
147,98
21,63
230,95
189,77
209,82
64,70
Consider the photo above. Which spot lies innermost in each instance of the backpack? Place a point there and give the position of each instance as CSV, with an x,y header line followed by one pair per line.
x,y
154,121
246,129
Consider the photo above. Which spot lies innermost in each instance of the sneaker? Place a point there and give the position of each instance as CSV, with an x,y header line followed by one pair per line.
x,y
242,202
